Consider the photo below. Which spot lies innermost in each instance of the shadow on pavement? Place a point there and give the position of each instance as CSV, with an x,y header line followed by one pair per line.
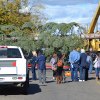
x,y
30,79
12,90
91,78
50,81
34,88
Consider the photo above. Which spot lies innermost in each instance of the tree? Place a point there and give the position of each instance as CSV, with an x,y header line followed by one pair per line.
x,y
18,27
51,43
9,12
50,27
62,29
21,26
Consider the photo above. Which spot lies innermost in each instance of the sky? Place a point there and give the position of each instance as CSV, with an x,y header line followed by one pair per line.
x,y
66,11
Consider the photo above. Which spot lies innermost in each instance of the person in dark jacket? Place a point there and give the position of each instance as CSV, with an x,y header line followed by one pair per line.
x,y
83,66
41,63
33,62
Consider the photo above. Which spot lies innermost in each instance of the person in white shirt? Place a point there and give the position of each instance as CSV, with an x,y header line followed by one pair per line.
x,y
97,66
53,62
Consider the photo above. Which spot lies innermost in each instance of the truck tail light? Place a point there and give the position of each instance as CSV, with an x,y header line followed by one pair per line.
x,y
20,78
14,64
3,46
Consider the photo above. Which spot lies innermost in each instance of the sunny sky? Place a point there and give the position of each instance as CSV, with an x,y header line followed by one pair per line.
x,y
66,11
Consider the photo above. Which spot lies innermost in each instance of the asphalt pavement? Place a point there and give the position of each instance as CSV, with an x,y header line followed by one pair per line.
x,y
88,90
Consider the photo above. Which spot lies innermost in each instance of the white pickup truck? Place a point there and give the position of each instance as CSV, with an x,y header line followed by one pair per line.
x,y
13,67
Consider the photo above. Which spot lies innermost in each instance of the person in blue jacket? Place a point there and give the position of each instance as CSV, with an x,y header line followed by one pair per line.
x,y
41,63
33,62
74,58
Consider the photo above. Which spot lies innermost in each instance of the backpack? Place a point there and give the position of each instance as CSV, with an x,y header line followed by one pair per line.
x,y
60,63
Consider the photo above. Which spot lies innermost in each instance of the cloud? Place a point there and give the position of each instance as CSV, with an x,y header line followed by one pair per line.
x,y
68,2
25,9
82,13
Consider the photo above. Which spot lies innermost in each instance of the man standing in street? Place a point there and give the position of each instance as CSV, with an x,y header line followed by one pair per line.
x,y
83,66
74,58
41,63
33,62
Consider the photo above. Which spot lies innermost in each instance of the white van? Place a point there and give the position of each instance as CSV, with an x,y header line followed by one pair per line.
x,y
13,67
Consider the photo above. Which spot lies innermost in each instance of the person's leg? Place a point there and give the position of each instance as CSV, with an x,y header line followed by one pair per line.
x,y
40,75
76,72
33,73
72,74
58,75
54,75
87,74
84,74
90,68
96,72
81,73
44,76
57,79
61,75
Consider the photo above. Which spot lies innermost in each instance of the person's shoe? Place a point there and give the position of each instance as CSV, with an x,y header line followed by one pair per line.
x,y
80,80
83,80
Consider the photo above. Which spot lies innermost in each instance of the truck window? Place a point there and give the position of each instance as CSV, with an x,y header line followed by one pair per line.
x,y
10,53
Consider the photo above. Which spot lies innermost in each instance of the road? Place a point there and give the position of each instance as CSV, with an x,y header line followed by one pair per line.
x,y
89,90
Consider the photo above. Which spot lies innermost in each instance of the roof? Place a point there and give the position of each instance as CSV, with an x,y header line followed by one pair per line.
x,y
4,46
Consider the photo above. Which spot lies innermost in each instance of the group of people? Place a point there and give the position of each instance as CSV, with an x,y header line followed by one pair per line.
x,y
57,62
81,65
39,60
83,62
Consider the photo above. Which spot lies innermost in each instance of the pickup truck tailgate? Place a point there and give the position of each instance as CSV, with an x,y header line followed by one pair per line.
x,y
8,67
